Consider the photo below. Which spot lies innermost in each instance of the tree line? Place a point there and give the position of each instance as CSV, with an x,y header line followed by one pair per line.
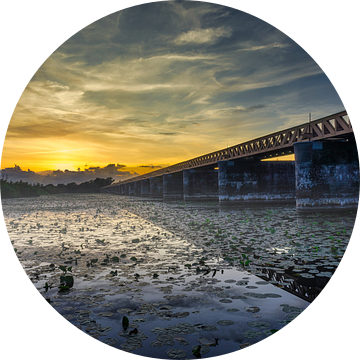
x,y
20,188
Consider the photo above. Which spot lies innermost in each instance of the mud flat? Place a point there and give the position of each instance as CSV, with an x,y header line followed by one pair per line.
x,y
174,280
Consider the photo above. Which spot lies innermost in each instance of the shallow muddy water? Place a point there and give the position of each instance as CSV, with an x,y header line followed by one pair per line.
x,y
175,280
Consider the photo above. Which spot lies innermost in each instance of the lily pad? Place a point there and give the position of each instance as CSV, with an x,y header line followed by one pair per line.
x,y
252,334
225,322
206,327
203,349
261,283
252,309
157,344
164,337
176,353
106,314
291,309
259,324
131,344
208,342
273,296
69,317
110,341
255,295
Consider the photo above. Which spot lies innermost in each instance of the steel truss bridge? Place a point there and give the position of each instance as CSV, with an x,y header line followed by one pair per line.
x,y
276,144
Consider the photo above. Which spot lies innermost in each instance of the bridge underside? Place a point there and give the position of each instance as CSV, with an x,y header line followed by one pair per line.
x,y
324,173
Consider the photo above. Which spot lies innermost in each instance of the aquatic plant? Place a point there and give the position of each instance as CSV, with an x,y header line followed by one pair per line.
x,y
125,323
65,269
196,351
245,261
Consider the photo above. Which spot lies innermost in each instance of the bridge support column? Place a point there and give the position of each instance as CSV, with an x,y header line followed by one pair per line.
x,y
201,184
122,189
126,189
117,189
156,187
255,180
145,188
173,186
327,174
131,189
137,188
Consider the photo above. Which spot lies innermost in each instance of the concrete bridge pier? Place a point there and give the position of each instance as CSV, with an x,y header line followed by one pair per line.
x,y
156,187
255,180
126,189
327,173
201,183
131,191
137,188
145,188
173,186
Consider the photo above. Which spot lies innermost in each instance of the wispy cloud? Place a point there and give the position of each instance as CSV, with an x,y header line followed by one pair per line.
x,y
52,152
239,110
203,36
127,87
264,47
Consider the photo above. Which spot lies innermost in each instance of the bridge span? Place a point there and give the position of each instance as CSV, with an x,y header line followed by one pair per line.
x,y
325,171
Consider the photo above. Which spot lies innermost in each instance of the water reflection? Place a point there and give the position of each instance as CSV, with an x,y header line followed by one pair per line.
x,y
184,274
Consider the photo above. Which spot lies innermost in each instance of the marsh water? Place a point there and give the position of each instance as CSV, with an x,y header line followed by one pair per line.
x,y
175,279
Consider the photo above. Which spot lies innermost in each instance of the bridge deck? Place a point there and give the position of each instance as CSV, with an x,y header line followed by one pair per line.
x,y
278,143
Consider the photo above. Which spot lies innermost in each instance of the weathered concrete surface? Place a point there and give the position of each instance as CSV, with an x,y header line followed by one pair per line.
x,y
115,190
131,189
255,180
201,184
156,187
145,188
327,174
123,190
137,188
173,186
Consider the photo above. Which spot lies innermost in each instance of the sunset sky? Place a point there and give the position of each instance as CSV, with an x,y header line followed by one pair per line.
x,y
157,84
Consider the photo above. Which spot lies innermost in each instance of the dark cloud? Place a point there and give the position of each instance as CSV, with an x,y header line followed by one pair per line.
x,y
151,166
67,176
